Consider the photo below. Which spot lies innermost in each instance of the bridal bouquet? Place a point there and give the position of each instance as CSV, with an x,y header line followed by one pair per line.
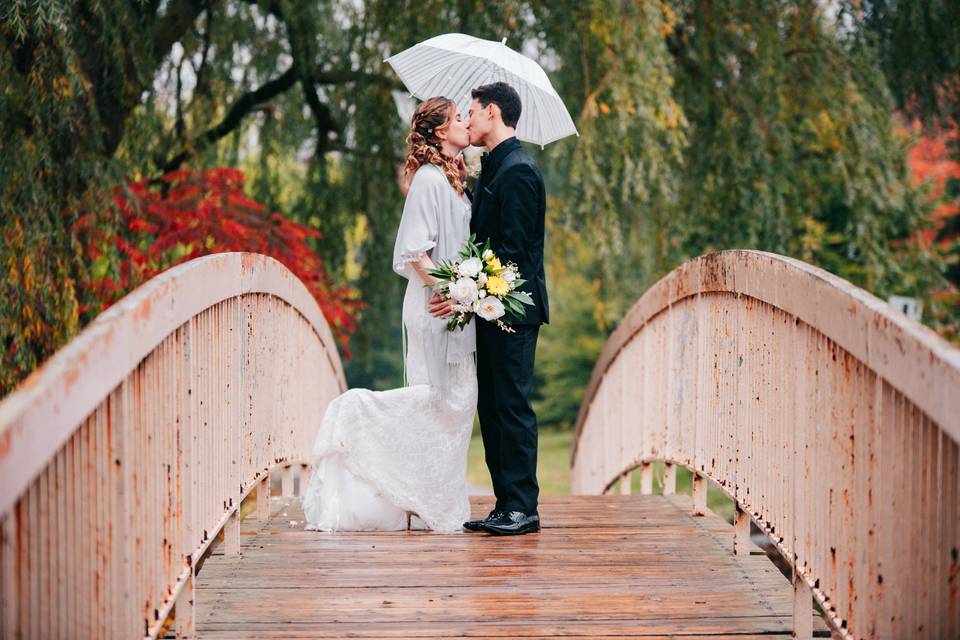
x,y
481,286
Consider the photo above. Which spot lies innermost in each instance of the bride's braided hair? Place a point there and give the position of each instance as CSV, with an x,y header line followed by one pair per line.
x,y
423,145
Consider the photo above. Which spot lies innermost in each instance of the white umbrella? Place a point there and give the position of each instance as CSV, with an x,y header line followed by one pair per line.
x,y
452,64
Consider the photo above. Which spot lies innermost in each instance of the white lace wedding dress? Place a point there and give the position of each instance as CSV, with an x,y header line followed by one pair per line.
x,y
381,454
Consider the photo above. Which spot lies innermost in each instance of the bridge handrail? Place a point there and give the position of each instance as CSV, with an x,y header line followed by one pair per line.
x,y
799,395
174,401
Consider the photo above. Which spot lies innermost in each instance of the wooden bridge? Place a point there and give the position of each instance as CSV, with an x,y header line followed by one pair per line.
x,y
137,467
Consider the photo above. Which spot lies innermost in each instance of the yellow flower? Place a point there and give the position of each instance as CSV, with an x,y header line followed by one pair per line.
x,y
494,264
497,286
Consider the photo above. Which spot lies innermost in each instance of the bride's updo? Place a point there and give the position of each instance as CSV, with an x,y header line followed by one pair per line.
x,y
423,145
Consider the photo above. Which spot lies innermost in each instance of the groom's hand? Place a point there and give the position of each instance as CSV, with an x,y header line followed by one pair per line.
x,y
440,307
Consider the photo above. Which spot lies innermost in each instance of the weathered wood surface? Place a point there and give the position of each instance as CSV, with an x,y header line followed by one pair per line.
x,y
132,447
613,566
831,419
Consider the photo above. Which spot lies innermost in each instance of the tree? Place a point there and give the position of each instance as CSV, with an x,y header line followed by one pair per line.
x,y
918,45
705,125
188,214
102,93
762,125
97,91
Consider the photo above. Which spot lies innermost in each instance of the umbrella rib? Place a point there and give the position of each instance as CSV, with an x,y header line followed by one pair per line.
x,y
454,77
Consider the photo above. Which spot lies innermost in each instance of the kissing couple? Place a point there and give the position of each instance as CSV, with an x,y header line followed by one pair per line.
x,y
382,457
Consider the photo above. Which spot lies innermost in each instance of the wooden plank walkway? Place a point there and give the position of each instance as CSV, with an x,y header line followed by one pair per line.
x,y
611,566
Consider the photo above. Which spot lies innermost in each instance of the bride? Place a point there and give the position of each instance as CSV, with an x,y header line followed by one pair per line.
x,y
381,455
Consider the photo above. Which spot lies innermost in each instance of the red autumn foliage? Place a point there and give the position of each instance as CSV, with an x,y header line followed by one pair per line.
x,y
929,159
191,213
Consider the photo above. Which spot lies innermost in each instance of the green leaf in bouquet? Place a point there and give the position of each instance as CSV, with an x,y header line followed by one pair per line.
x,y
522,296
513,307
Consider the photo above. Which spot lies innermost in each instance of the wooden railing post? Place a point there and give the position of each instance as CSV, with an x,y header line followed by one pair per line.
x,y
286,481
185,609
741,532
304,479
699,494
646,478
8,573
669,478
802,609
625,480
231,534
263,498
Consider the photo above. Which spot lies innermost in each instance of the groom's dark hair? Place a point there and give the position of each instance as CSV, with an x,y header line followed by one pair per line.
x,y
502,95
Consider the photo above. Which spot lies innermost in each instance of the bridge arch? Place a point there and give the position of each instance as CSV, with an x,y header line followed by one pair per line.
x,y
187,394
832,421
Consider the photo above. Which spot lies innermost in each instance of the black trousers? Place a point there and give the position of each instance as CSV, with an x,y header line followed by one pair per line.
x,y
508,423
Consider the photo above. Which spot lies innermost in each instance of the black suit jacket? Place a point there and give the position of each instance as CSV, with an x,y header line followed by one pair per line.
x,y
509,209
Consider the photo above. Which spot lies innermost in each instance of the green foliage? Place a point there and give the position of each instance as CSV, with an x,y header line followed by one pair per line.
x,y
617,77
54,136
918,46
760,125
793,145
705,125
569,346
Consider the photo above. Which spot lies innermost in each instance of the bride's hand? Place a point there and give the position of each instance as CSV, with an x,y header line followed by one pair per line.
x,y
441,307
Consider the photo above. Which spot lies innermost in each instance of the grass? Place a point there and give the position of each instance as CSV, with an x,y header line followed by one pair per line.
x,y
553,462
553,471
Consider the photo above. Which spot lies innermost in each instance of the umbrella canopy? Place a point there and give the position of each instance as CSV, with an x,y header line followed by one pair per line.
x,y
452,64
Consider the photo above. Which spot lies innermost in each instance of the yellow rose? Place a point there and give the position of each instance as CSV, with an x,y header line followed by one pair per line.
x,y
497,286
494,263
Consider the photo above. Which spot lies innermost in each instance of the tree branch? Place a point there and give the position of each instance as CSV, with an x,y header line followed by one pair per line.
x,y
240,108
322,116
204,55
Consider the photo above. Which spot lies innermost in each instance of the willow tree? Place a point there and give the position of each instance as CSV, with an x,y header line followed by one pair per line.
x,y
918,45
98,93
704,125
746,124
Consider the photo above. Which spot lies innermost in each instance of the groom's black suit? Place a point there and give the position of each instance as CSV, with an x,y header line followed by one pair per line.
x,y
509,208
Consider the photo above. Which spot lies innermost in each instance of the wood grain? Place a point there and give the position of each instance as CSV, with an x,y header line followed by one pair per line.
x,y
612,566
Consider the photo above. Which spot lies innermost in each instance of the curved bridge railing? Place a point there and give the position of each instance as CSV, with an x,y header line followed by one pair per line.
x,y
832,421
137,442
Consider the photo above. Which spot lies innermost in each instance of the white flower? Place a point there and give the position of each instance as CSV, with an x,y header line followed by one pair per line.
x,y
464,290
471,157
490,308
487,254
470,267
509,276
482,279
476,306
483,293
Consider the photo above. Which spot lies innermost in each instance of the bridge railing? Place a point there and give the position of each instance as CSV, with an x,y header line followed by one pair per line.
x,y
831,420
126,454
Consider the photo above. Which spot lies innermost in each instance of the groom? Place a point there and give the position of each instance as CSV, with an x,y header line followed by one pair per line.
x,y
508,208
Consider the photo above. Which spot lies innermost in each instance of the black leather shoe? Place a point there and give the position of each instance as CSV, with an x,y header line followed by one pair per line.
x,y
475,525
513,523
